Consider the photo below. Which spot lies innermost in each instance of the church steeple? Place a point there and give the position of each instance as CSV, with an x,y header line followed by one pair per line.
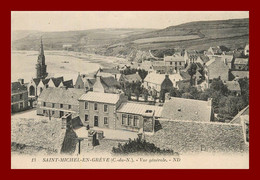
x,y
40,66
41,48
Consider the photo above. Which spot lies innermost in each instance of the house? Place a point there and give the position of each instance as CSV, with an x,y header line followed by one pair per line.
x,y
56,102
108,72
187,110
216,68
170,64
98,109
99,83
19,96
214,51
236,75
135,116
154,81
233,87
130,78
240,64
106,85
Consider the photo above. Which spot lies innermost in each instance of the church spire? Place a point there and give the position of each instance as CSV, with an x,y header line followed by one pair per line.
x,y
41,48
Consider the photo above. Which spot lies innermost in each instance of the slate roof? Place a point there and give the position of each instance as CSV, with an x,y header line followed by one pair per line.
x,y
57,81
218,69
237,118
61,96
187,109
68,83
240,74
17,87
100,97
45,81
232,85
36,81
159,78
140,109
183,136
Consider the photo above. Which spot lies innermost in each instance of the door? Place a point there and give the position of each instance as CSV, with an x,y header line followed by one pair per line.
x,y
95,120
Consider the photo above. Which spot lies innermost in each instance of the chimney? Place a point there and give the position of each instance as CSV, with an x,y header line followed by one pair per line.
x,y
21,81
209,101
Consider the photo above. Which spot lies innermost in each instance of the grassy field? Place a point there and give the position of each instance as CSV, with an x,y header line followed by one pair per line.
x,y
166,39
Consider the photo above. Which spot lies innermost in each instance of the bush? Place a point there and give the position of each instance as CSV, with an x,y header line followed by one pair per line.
x,y
139,146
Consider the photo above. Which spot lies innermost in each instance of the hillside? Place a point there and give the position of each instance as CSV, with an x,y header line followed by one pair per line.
x,y
134,44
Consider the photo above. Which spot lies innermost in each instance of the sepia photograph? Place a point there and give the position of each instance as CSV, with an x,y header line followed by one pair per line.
x,y
129,90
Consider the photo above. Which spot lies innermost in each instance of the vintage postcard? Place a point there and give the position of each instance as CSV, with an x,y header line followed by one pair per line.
x,y
130,90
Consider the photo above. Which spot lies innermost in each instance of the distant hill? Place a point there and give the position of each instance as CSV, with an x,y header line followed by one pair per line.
x,y
80,40
136,43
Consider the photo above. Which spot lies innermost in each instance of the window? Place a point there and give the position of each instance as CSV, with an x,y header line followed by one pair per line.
x,y
53,105
69,106
21,105
86,105
175,63
61,105
105,120
123,119
180,63
95,106
86,117
53,112
105,108
129,120
44,103
21,96
44,111
170,63
135,120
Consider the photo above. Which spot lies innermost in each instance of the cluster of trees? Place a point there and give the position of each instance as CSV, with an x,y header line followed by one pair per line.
x,y
139,146
225,103
142,73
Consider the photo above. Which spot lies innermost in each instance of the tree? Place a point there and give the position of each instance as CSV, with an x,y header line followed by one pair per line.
x,y
187,96
192,70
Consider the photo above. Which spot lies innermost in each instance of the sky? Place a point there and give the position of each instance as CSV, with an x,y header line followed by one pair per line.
x,y
83,20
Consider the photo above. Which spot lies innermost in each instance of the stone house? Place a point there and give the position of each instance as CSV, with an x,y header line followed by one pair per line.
x,y
19,96
157,82
98,109
56,102
136,117
240,64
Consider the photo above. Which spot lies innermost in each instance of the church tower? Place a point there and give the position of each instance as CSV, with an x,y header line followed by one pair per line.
x,y
41,66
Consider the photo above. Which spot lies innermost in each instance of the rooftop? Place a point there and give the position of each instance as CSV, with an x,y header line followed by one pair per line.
x,y
189,136
240,74
218,69
132,77
187,109
100,97
159,78
60,95
17,87
140,109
